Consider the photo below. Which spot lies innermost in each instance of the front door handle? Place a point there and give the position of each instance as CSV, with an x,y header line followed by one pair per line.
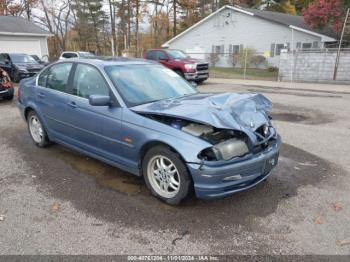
x,y
72,104
41,95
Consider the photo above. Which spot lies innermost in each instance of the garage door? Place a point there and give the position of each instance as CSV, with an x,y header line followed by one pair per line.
x,y
31,47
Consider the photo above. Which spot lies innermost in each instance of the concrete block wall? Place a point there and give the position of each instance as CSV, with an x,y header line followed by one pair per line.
x,y
314,66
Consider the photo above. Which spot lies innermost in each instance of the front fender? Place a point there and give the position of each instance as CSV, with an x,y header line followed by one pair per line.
x,y
143,131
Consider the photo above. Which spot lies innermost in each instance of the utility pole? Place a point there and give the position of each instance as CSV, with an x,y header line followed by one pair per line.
x,y
339,47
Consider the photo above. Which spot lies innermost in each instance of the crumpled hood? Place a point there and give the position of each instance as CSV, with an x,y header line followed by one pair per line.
x,y
244,112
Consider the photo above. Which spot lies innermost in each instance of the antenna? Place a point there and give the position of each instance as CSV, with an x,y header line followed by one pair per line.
x,y
346,23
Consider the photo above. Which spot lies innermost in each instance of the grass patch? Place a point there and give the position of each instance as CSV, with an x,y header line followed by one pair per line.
x,y
237,73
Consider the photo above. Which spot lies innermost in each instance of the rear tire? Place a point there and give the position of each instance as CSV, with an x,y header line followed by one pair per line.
x,y
37,130
166,175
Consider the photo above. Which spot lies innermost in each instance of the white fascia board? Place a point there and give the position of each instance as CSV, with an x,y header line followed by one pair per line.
x,y
166,44
25,34
324,38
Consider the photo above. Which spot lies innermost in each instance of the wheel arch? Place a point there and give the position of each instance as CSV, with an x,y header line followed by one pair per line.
x,y
150,144
32,107
26,112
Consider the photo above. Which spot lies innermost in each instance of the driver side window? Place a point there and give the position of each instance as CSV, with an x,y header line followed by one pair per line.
x,y
89,81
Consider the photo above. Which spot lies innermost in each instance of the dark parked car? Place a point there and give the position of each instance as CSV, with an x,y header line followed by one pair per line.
x,y
19,66
40,61
144,118
6,86
190,68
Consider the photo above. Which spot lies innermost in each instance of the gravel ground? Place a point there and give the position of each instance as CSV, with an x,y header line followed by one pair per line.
x,y
55,201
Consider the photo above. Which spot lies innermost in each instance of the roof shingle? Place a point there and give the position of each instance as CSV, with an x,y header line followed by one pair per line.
x,y
11,24
287,20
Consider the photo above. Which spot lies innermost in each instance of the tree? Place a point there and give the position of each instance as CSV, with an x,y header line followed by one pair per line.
x,y
111,4
89,21
322,14
56,21
17,8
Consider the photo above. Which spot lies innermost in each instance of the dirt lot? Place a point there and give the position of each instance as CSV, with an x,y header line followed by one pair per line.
x,y
55,201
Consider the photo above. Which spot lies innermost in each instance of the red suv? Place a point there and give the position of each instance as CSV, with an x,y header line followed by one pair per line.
x,y
191,69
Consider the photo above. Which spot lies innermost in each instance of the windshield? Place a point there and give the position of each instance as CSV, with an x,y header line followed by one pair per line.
x,y
141,84
22,59
85,54
177,54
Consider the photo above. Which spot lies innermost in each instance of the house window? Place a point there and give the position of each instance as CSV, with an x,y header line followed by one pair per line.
x,y
298,45
234,49
306,45
279,47
218,49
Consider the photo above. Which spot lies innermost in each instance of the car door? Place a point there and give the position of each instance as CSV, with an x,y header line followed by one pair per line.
x,y
51,99
96,128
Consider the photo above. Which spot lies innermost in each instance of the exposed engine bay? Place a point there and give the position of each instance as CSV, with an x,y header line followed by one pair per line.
x,y
227,144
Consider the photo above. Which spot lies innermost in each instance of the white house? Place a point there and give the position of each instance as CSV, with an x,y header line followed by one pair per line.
x,y
18,35
232,28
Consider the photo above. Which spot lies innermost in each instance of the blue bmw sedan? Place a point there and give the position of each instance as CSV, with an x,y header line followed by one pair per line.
x,y
143,118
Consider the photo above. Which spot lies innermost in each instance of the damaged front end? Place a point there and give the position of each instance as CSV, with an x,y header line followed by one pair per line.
x,y
241,145
227,144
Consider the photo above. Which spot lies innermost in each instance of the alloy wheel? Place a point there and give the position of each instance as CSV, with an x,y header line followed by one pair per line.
x,y
163,176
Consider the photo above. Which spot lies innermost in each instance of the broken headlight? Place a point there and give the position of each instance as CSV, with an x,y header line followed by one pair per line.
x,y
225,150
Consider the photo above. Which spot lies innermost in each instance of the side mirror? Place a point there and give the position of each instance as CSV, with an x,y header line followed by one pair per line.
x,y
99,100
7,62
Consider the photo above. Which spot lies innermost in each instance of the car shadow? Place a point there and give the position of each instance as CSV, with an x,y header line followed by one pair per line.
x,y
110,195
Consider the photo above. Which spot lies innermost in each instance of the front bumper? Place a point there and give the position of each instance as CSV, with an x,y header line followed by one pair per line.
x,y
214,180
6,92
197,76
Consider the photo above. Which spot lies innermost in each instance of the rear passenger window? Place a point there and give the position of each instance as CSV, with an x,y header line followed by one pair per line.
x,y
57,77
89,81
151,55
43,78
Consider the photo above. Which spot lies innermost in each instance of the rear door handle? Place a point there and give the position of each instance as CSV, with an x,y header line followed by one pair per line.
x,y
72,104
41,95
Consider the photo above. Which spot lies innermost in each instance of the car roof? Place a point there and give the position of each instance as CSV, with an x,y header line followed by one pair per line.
x,y
163,49
109,61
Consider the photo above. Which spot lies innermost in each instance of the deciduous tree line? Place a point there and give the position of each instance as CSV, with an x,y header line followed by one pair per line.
x,y
108,27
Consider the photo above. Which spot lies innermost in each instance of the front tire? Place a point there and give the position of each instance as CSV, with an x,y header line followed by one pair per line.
x,y
37,130
166,175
